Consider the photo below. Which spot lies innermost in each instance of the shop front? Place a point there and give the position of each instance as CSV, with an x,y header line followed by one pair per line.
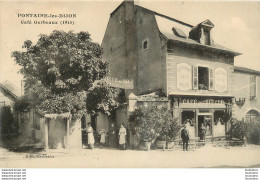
x,y
204,117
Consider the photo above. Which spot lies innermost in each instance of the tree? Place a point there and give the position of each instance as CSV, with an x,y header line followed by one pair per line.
x,y
101,98
58,69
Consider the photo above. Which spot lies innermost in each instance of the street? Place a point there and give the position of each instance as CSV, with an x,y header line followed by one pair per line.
x,y
207,156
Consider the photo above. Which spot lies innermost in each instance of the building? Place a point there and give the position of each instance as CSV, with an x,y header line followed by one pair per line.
x,y
154,52
8,94
8,122
247,94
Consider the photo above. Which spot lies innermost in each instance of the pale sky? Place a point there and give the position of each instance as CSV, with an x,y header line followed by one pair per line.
x,y
237,25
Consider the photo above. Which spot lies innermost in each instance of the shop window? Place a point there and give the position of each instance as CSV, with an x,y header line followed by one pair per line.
x,y
188,116
219,116
252,90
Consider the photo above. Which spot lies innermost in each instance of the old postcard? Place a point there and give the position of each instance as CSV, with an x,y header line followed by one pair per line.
x,y
129,84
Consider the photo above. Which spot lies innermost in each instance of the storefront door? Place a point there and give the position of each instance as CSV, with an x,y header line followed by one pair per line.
x,y
206,120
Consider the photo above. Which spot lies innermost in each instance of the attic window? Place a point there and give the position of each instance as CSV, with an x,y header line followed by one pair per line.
x,y
206,37
145,44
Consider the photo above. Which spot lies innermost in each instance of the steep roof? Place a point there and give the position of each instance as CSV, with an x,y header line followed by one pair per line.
x,y
246,70
166,28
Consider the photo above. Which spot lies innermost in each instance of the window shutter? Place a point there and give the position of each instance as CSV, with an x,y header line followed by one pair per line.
x,y
254,85
195,77
252,90
211,79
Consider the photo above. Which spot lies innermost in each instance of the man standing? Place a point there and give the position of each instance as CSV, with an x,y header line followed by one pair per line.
x,y
185,138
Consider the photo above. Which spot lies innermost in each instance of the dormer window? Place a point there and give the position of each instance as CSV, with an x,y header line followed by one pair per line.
x,y
202,32
206,37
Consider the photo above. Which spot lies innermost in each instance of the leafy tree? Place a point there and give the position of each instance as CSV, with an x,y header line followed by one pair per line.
x,y
58,69
101,98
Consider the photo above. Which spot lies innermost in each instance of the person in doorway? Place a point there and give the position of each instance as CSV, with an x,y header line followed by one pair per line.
x,y
122,136
185,138
103,137
112,139
202,132
91,139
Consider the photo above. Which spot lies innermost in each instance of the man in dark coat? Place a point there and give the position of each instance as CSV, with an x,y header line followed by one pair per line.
x,y
185,138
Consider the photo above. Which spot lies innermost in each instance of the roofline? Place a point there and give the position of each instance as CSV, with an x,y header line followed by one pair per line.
x,y
246,70
113,12
167,17
206,46
8,92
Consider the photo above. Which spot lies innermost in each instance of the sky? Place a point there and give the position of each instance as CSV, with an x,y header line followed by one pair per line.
x,y
237,25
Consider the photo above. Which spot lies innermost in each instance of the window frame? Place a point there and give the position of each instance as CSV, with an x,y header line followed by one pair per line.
x,y
147,46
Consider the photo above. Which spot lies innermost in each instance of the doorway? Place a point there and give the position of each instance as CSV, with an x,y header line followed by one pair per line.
x,y
207,122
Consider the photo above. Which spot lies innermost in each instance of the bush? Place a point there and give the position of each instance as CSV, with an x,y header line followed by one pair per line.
x,y
152,122
170,129
146,122
239,129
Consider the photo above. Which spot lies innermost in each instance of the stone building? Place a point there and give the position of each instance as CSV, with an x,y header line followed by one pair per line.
x,y
247,94
160,53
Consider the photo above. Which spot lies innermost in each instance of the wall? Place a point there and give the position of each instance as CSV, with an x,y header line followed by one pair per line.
x,y
122,117
241,90
194,57
127,28
102,122
6,100
25,125
114,43
57,133
149,60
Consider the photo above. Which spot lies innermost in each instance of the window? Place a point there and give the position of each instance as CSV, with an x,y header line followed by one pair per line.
x,y
252,85
202,78
145,44
206,37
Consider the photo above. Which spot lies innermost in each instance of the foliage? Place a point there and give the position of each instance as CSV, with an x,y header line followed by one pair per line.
x,y
101,98
238,129
22,104
63,62
170,129
58,69
8,125
151,122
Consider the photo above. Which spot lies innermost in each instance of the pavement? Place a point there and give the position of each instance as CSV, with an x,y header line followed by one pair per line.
x,y
204,157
